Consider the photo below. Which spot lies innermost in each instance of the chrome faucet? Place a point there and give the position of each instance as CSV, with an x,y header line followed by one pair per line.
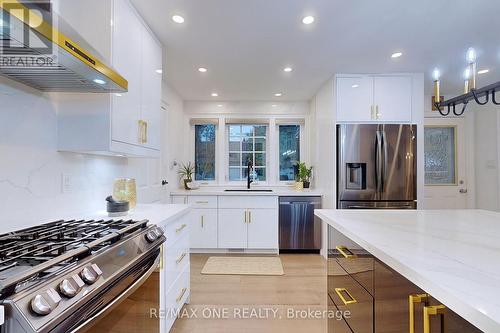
x,y
249,171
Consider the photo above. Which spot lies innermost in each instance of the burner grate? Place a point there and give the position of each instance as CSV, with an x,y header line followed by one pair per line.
x,y
28,253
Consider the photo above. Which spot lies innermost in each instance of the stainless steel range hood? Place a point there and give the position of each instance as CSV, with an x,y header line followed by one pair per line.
x,y
39,52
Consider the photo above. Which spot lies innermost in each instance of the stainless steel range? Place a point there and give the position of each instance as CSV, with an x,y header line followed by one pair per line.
x,y
63,276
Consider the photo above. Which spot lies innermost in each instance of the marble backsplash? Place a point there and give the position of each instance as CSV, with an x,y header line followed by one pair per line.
x,y
34,176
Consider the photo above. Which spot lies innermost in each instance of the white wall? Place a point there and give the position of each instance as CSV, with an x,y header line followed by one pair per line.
x,y
174,139
31,169
486,155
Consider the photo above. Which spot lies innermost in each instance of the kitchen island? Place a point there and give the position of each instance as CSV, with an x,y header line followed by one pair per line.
x,y
449,256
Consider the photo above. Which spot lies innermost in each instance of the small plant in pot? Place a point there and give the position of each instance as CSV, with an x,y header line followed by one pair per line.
x,y
304,174
186,172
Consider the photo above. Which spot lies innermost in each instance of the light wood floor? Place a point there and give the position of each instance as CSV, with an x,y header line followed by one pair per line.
x,y
303,287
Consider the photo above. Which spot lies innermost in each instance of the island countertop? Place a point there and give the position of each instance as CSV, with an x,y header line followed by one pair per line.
x,y
454,255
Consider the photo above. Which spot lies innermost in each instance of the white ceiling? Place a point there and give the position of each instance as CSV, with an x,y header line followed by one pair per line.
x,y
245,44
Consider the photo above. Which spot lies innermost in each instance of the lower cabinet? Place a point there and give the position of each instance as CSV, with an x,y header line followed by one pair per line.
x,y
203,228
248,228
372,297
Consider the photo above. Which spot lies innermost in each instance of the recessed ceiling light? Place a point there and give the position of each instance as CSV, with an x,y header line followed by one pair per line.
x,y
483,71
308,20
178,19
396,55
287,69
278,94
274,105
215,94
99,81
202,69
159,71
219,105
355,85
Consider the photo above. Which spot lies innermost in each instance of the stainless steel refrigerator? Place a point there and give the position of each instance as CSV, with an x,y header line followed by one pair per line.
x,y
376,166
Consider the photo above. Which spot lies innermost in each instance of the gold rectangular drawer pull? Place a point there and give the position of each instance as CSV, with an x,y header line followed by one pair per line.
x,y
246,216
341,291
181,295
181,257
434,310
348,254
181,228
412,300
161,257
202,202
202,221
249,216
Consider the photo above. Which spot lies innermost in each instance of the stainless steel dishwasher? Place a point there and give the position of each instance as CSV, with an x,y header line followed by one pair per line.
x,y
299,229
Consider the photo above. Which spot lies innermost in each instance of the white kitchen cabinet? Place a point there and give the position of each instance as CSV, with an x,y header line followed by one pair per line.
x,y
126,123
203,230
232,231
392,97
374,98
179,199
354,98
262,229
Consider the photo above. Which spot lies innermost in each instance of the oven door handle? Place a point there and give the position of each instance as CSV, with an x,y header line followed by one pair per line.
x,y
115,302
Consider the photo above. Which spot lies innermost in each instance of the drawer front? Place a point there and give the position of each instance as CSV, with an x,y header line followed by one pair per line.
x,y
336,324
176,297
248,202
202,201
177,229
176,259
349,296
179,199
359,264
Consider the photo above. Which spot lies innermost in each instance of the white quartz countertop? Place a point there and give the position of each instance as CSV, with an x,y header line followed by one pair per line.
x,y
454,255
277,191
155,213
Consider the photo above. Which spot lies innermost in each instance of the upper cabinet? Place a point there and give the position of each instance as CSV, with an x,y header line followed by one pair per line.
x,y
119,124
371,98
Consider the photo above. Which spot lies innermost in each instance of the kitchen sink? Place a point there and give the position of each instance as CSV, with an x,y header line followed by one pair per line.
x,y
247,190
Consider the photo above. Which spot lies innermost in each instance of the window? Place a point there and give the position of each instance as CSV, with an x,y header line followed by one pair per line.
x,y
204,156
440,155
289,150
247,143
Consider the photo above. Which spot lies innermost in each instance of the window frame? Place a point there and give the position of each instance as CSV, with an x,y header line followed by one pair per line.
x,y
302,152
193,153
226,154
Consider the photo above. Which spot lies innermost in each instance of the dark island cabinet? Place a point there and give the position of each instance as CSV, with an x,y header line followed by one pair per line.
x,y
374,298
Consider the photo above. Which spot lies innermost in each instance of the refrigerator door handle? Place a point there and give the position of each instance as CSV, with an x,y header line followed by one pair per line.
x,y
378,162
384,163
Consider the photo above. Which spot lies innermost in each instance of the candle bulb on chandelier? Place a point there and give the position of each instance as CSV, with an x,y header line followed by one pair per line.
x,y
467,80
471,60
436,76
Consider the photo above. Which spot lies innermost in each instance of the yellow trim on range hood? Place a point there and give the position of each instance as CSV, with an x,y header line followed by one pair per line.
x,y
58,38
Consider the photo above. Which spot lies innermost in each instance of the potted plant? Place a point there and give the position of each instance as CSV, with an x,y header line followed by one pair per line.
x,y
186,172
303,176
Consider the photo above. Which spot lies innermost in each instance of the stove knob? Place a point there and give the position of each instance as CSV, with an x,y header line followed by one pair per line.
x,y
90,274
44,303
40,305
151,236
71,286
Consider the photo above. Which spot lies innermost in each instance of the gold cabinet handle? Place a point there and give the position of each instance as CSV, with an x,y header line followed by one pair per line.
x,y
249,216
202,221
181,257
181,295
161,257
372,112
412,300
145,132
377,114
180,228
348,254
140,134
341,291
246,216
202,202
434,310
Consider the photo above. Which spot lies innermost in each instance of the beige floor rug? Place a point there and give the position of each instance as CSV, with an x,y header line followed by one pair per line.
x,y
243,266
